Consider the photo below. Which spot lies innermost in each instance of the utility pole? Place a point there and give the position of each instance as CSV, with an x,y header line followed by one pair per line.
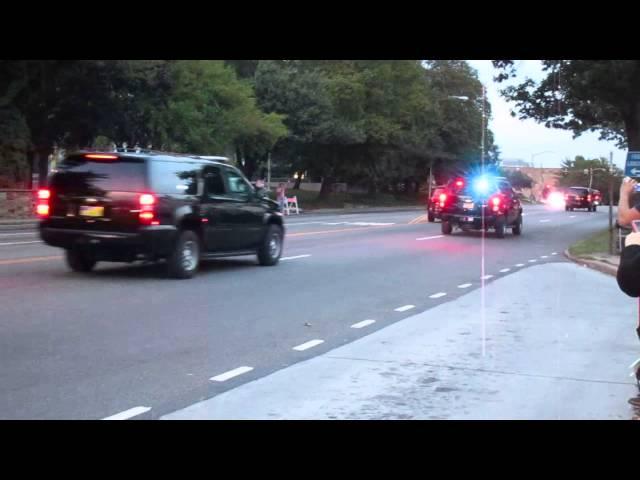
x,y
269,171
611,249
430,181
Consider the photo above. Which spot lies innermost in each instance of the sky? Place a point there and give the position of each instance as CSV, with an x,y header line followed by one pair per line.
x,y
520,139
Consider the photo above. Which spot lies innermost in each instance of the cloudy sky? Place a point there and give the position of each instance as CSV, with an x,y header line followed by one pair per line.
x,y
519,139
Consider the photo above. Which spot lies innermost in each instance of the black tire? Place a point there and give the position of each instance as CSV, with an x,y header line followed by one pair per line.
x,y
80,261
271,249
446,227
594,208
431,217
185,259
566,209
517,227
500,227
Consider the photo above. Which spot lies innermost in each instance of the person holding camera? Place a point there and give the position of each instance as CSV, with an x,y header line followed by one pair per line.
x,y
629,270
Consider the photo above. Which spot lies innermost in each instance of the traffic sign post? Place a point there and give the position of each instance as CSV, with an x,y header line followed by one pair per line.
x,y
632,165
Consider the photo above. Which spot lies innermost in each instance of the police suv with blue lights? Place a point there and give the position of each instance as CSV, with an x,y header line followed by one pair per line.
x,y
483,202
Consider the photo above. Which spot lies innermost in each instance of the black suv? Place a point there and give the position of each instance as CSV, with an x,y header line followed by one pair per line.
x,y
127,206
581,197
465,200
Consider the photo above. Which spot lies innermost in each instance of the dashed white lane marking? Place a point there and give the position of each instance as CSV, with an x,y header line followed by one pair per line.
x,y
505,270
297,256
430,238
21,243
404,308
544,256
230,374
544,220
519,264
437,295
363,324
486,277
464,285
127,414
532,260
308,345
572,216
554,253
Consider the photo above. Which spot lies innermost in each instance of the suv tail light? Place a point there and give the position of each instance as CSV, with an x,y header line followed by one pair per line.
x,y
442,199
588,198
495,203
147,213
42,207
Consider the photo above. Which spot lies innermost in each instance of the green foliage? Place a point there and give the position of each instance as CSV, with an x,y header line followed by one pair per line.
x,y
580,96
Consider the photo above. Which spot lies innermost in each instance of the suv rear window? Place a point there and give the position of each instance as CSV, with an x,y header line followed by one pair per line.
x,y
77,174
174,177
579,191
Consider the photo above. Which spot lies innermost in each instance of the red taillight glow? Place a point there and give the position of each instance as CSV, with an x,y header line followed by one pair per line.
x,y
147,214
442,198
588,198
459,183
147,199
95,156
495,201
42,208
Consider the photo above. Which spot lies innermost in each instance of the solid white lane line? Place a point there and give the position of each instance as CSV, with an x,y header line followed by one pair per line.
x,y
464,285
308,345
486,277
519,264
404,308
230,374
18,234
430,238
21,243
437,295
297,256
505,270
127,414
363,324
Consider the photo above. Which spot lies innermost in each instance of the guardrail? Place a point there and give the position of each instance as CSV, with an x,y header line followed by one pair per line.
x,y
15,203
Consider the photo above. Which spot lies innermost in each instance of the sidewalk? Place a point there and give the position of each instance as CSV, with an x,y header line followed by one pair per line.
x,y
559,340
8,224
363,209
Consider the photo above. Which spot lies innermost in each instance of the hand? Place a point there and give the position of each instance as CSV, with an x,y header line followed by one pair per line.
x,y
627,188
632,239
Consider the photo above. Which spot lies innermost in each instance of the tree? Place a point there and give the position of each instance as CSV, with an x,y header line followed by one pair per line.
x,y
580,96
518,179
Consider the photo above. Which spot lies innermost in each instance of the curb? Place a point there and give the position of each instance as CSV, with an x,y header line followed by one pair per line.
x,y
601,267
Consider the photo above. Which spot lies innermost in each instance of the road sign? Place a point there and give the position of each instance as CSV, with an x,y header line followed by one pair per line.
x,y
632,166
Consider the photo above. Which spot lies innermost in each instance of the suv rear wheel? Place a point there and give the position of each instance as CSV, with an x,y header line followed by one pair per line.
x,y
80,261
446,227
184,261
499,227
517,227
431,217
271,248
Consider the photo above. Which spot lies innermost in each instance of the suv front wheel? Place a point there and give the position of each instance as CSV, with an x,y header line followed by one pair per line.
x,y
184,261
271,248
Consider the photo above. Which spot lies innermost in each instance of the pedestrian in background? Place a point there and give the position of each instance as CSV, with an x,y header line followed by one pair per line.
x,y
281,196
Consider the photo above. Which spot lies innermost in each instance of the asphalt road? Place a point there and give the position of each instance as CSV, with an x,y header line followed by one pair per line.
x,y
126,341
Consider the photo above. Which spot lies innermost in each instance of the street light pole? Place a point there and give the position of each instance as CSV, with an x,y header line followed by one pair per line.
x,y
610,203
